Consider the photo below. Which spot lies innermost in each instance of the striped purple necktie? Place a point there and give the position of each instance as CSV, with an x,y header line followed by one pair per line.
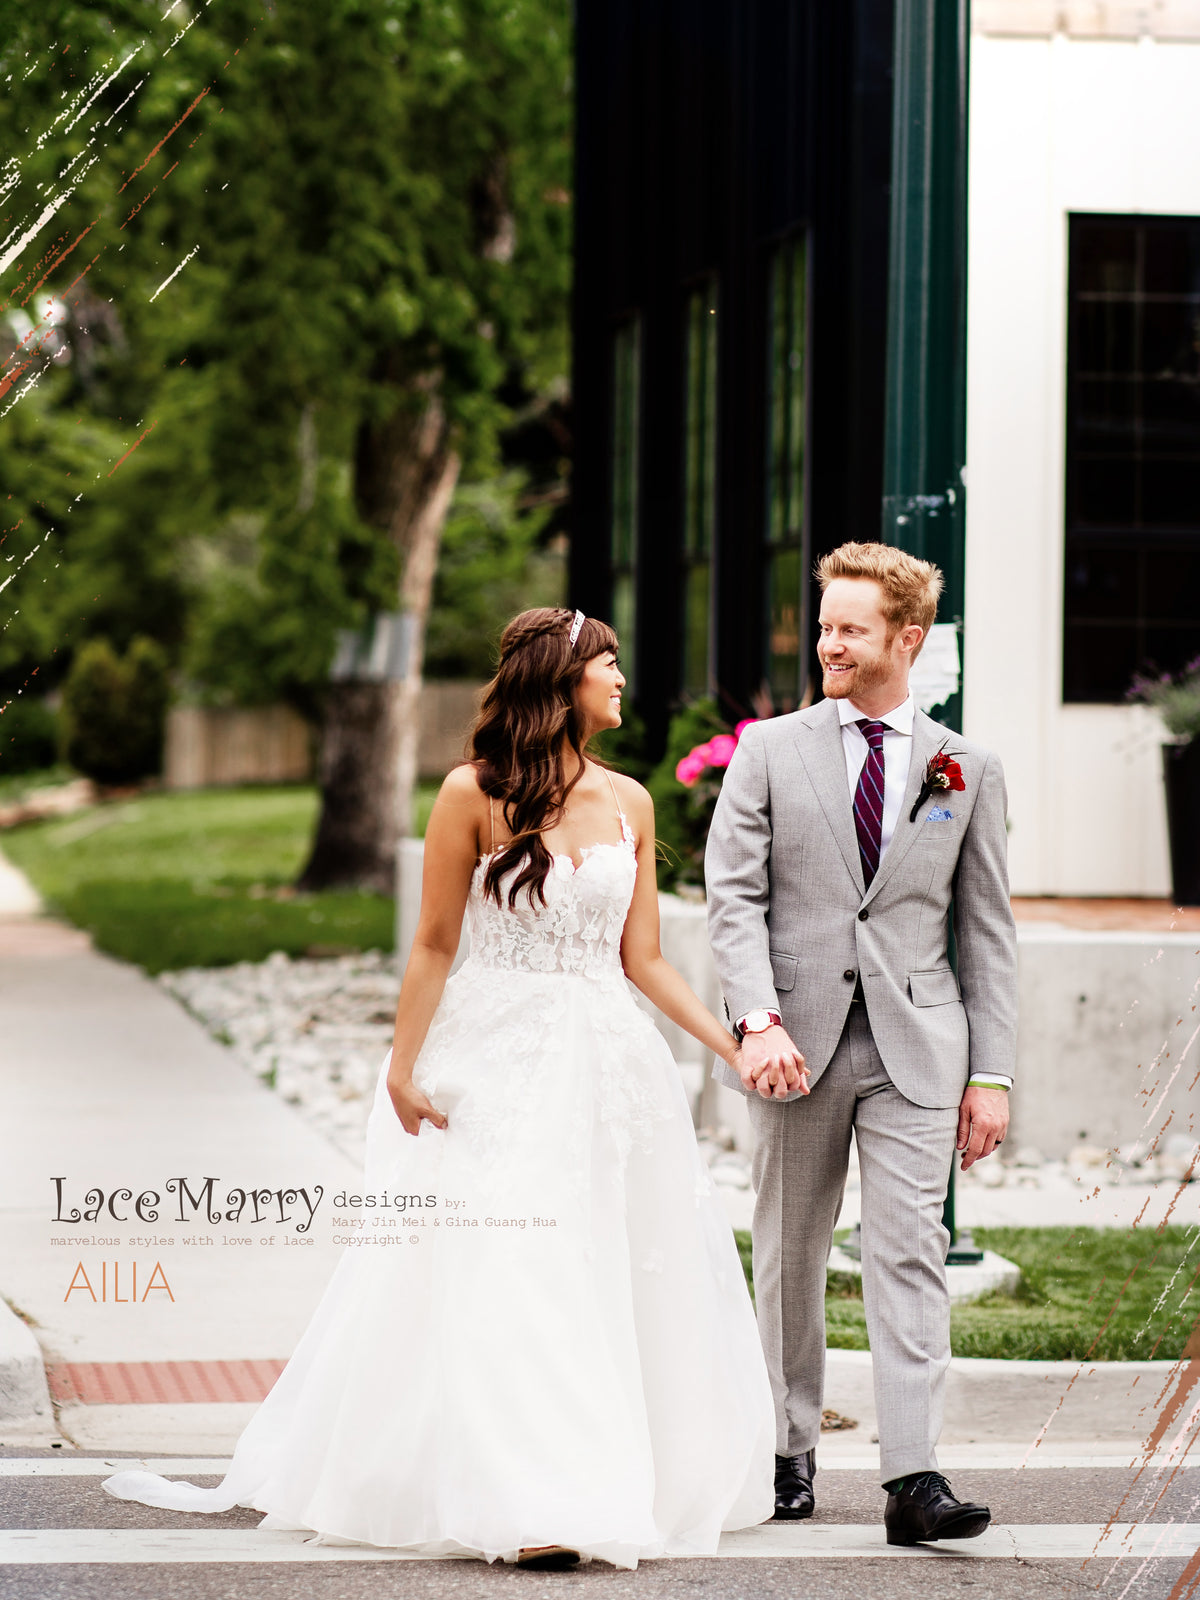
x,y
868,800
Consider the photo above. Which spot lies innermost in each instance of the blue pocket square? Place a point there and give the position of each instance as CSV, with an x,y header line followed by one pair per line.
x,y
938,815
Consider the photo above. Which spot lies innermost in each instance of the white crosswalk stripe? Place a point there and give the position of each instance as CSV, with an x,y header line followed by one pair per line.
x,y
814,1540
836,1459
1077,1542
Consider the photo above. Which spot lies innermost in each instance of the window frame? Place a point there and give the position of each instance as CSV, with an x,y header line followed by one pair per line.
x,y
698,543
1144,547
785,455
626,341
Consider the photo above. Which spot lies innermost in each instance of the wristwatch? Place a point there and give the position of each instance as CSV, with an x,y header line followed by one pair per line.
x,y
757,1022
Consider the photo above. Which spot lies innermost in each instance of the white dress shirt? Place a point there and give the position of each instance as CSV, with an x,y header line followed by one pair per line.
x,y
897,759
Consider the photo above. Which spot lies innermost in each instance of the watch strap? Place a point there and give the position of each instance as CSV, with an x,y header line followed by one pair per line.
x,y
739,1026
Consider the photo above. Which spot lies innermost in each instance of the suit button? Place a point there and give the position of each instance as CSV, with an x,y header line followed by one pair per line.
x,y
849,974
863,915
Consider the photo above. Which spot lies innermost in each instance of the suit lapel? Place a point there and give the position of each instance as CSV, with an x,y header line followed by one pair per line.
x,y
819,743
928,737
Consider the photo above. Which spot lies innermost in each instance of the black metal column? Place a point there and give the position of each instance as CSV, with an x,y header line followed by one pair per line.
x,y
926,399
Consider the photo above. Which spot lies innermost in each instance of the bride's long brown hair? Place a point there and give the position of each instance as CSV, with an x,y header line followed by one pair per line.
x,y
526,723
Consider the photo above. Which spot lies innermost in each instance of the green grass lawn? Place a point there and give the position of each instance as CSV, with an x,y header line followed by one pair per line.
x,y
199,878
1100,1294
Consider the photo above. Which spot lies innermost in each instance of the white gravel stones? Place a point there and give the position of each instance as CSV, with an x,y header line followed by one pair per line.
x,y
314,1030
1175,1159
317,1032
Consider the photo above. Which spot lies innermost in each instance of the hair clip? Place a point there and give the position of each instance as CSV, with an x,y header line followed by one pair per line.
x,y
575,627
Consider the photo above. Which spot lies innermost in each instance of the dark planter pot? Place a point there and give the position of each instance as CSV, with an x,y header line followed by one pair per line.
x,y
1181,772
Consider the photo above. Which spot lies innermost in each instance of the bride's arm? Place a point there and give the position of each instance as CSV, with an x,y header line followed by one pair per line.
x,y
451,851
641,956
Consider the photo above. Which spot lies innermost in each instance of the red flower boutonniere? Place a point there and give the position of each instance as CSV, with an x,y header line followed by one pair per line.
x,y
943,772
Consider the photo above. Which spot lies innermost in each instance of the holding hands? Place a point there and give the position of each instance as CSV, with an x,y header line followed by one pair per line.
x,y
771,1064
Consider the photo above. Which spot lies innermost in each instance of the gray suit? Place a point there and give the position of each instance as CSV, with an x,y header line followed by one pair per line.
x,y
788,918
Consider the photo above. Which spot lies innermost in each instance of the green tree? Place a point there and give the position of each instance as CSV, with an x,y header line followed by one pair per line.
x,y
330,239
89,532
493,563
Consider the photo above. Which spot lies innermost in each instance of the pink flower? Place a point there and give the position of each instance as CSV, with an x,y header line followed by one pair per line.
x,y
720,750
743,725
690,768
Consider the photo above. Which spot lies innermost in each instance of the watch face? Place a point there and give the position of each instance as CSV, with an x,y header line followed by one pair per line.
x,y
757,1022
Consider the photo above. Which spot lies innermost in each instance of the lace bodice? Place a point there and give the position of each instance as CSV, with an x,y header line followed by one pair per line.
x,y
579,928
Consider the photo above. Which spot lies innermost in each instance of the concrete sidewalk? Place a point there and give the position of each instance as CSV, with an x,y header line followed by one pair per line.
x,y
111,1090
109,1087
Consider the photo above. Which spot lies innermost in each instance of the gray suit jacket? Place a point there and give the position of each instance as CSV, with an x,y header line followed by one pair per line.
x,y
787,915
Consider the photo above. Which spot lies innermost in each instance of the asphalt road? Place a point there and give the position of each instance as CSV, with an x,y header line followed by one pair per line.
x,y
1046,1523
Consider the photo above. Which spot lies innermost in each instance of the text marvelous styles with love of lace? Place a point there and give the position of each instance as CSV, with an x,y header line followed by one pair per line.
x,y
195,1202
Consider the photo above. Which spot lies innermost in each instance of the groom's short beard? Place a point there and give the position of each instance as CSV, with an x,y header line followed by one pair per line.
x,y
867,676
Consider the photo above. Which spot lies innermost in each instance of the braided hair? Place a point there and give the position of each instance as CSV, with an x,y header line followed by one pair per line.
x,y
526,723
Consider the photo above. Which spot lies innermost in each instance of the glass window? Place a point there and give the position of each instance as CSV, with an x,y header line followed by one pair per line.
x,y
699,487
623,549
1132,560
786,562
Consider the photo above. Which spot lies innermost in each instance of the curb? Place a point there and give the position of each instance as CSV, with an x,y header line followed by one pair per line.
x,y
982,1367
24,1395
996,1398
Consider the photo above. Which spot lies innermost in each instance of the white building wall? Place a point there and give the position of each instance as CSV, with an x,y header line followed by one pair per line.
x,y
1057,124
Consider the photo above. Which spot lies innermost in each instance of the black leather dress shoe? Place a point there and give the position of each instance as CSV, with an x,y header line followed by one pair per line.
x,y
794,1499
925,1508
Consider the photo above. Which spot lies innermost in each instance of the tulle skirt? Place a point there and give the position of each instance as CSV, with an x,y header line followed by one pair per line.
x,y
546,1338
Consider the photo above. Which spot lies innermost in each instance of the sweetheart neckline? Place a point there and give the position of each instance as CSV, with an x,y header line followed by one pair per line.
x,y
565,855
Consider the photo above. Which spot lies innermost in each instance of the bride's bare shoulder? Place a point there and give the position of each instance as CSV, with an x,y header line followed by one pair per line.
x,y
460,793
462,783
634,798
459,819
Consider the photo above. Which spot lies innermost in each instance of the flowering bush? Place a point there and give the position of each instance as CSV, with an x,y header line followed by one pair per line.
x,y
684,787
716,753
682,812
1176,696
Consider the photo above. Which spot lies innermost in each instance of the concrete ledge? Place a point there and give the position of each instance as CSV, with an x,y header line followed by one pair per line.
x,y
965,1283
24,1397
1099,1039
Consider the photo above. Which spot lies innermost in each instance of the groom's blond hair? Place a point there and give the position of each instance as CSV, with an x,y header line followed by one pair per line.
x,y
911,587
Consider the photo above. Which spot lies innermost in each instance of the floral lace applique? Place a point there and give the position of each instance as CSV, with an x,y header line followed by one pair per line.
x,y
578,929
530,1039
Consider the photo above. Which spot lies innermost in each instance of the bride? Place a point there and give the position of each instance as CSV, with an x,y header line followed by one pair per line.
x,y
558,1358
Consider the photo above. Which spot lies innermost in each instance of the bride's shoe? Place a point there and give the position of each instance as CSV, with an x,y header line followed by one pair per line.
x,y
547,1557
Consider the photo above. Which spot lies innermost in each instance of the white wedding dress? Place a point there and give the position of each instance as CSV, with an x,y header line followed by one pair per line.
x,y
581,1369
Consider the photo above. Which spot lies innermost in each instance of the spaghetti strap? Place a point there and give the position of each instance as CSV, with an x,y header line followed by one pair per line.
x,y
492,819
616,802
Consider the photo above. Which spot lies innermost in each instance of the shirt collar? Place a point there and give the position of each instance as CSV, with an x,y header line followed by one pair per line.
x,y
900,719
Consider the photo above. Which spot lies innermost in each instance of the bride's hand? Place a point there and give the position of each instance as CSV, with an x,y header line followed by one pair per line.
x,y
411,1106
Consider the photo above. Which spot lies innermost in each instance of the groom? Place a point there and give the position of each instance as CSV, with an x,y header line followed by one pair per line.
x,y
834,860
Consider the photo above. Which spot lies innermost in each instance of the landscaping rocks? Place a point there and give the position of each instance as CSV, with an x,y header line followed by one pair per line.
x,y
316,1031
55,800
